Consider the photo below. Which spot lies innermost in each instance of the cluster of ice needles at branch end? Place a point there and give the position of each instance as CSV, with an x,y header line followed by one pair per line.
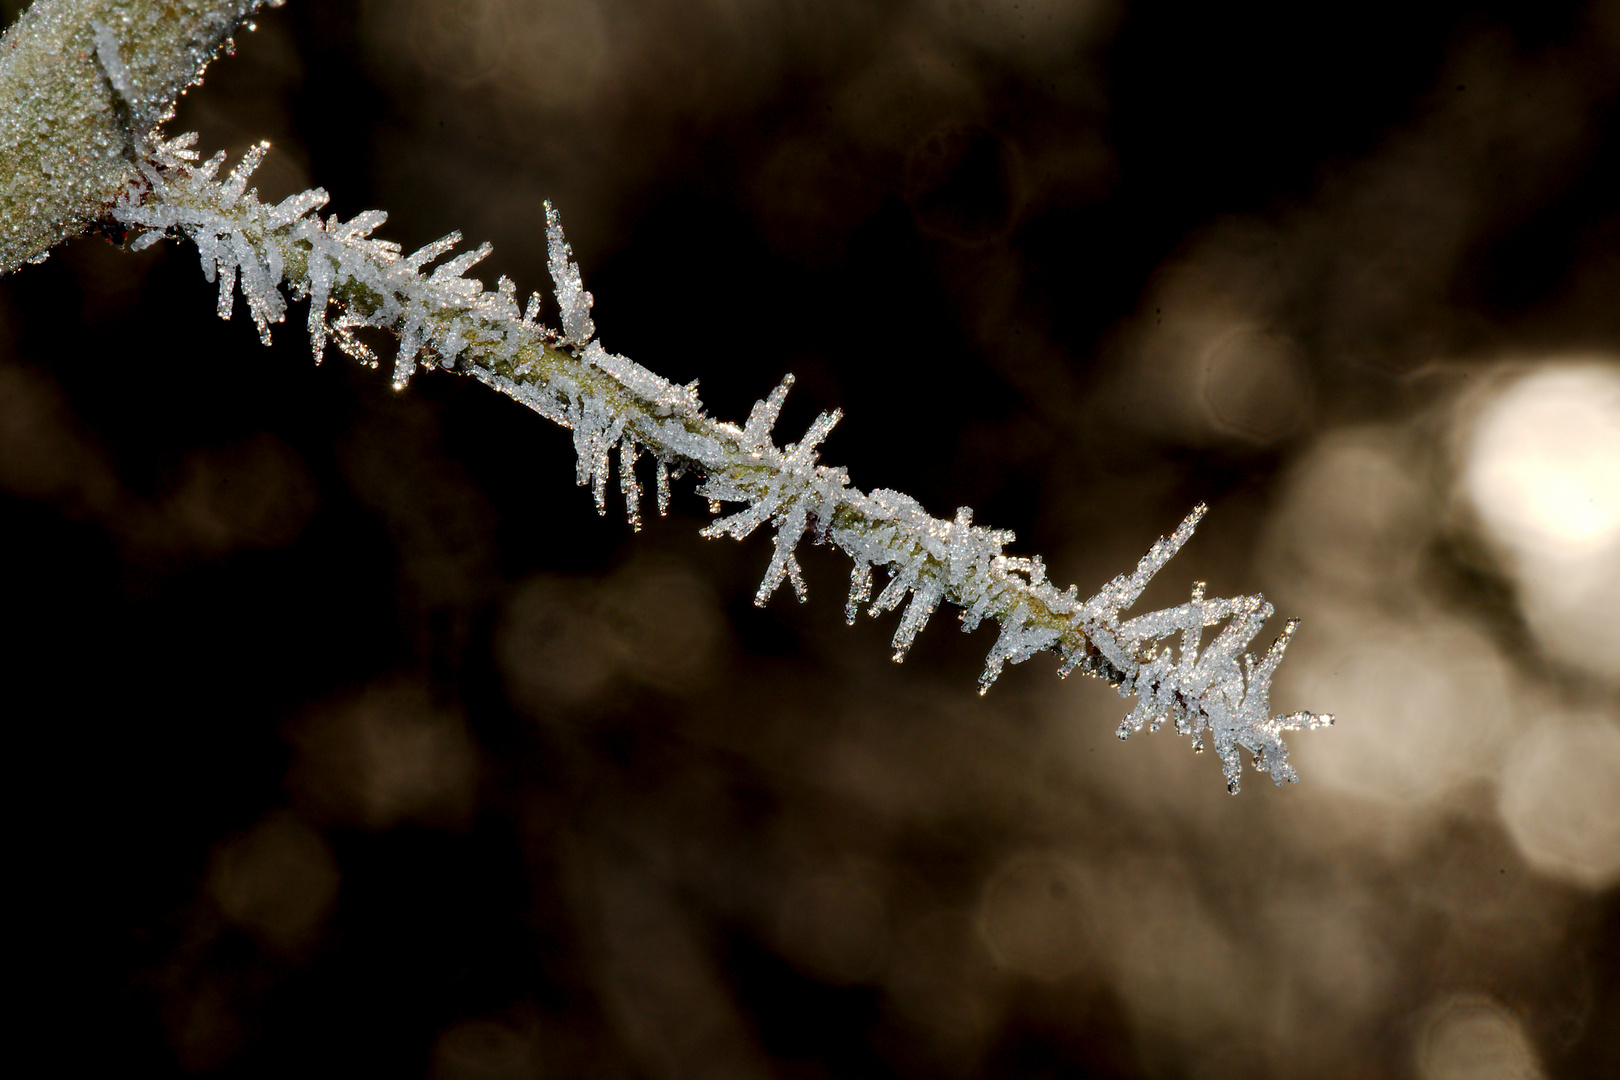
x,y
1216,692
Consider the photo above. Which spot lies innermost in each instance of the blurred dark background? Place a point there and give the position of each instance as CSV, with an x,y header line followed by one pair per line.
x,y
348,740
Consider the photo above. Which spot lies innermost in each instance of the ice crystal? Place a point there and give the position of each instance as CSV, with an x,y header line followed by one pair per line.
x,y
111,62
1216,691
571,295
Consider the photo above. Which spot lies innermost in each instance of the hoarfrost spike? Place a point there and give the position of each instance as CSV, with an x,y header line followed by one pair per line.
x,y
233,187
428,252
818,432
459,265
572,298
360,226
860,590
663,487
762,418
210,168
628,482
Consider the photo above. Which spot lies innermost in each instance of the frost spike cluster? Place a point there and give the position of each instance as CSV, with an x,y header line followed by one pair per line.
x,y
1216,691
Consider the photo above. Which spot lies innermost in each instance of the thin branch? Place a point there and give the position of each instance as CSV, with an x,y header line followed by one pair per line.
x,y
444,319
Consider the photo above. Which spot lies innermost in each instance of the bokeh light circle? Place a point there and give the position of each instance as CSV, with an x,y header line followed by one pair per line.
x,y
1543,469
1560,801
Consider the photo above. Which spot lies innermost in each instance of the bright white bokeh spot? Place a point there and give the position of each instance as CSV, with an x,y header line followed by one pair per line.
x,y
1543,475
1543,468
1476,1039
1560,801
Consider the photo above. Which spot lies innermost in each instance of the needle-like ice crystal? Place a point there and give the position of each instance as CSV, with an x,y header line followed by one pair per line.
x,y
1217,691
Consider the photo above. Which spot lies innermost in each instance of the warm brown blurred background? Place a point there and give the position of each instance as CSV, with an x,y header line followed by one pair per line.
x,y
347,740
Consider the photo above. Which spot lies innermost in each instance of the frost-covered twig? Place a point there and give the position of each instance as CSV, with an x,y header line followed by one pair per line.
x,y
443,318
82,83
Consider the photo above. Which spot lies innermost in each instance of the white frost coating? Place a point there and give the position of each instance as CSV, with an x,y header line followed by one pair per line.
x,y
111,62
609,402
